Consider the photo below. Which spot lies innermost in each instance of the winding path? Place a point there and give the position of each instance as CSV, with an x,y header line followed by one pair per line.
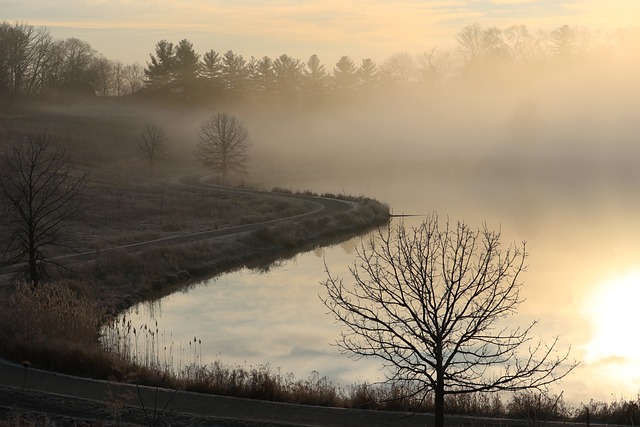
x,y
320,206
71,400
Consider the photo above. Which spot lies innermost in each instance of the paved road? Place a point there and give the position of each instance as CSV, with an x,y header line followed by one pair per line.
x,y
67,400
80,398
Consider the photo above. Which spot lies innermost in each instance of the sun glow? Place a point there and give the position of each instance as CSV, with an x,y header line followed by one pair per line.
x,y
613,312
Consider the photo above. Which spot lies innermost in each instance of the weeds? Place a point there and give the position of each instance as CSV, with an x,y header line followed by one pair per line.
x,y
153,417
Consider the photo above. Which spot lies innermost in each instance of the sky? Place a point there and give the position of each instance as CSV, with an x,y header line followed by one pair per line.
x,y
128,30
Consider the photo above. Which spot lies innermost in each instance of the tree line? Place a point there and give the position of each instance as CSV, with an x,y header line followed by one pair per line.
x,y
32,62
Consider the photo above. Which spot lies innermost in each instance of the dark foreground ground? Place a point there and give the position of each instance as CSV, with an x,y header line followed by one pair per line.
x,y
68,400
35,397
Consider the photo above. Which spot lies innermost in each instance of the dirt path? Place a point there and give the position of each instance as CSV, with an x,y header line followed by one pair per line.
x,y
318,206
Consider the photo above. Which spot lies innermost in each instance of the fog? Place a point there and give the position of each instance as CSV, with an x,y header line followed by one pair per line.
x,y
560,136
548,158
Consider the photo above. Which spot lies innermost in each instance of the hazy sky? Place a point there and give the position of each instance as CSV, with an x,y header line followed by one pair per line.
x,y
129,29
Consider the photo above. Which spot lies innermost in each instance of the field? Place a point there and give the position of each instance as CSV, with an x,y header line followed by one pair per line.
x,y
125,203
57,326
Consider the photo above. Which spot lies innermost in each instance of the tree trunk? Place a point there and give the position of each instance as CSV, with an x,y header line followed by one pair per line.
x,y
33,259
33,269
439,401
439,391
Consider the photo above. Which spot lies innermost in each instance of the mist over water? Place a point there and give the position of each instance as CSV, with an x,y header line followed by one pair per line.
x,y
547,159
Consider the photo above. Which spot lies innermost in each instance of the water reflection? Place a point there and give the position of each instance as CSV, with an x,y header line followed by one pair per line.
x,y
251,318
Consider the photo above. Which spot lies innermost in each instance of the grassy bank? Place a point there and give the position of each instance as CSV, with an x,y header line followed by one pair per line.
x,y
58,326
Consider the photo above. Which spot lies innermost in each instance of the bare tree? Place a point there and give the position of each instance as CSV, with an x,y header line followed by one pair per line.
x,y
133,75
151,143
223,142
398,68
41,194
432,303
436,66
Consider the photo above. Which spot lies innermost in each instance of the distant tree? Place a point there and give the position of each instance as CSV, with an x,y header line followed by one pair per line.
x,y
38,57
133,76
118,78
78,58
222,145
5,72
263,79
436,66
16,44
234,74
345,76
398,68
151,144
25,51
105,76
40,194
186,67
367,75
288,76
563,42
478,45
160,71
211,65
518,43
431,303
314,81
53,73
211,73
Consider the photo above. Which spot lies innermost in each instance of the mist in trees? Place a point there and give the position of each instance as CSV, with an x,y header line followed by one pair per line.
x,y
151,144
222,146
32,62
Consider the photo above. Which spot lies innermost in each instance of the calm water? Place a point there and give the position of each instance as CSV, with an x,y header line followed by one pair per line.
x,y
567,188
574,285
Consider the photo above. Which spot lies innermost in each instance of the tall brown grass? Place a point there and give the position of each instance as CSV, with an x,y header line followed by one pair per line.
x,y
54,326
59,326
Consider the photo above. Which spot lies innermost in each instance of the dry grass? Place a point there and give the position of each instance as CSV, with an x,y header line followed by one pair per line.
x,y
58,325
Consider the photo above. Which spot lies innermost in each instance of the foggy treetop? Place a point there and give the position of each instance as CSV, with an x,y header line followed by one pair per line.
x,y
32,62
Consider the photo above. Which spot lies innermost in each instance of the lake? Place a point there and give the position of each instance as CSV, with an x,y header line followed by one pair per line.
x,y
565,183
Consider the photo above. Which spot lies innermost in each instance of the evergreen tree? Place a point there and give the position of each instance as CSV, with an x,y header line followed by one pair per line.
x,y
186,66
345,76
234,74
367,75
159,71
314,81
288,76
263,79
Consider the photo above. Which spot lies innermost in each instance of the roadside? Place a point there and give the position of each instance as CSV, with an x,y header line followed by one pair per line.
x,y
69,400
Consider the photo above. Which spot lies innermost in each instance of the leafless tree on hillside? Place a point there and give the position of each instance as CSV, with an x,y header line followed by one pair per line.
x,y
151,143
222,146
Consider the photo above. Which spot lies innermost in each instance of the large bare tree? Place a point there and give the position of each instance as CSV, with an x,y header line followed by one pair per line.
x,y
431,302
40,194
223,141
